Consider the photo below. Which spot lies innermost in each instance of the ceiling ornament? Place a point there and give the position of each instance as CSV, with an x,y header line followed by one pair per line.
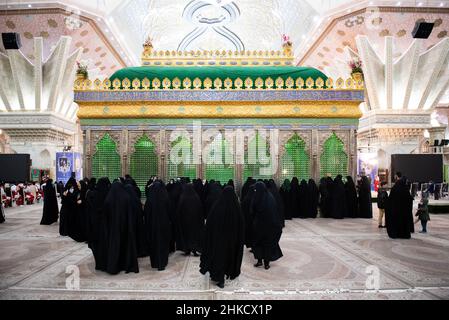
x,y
211,17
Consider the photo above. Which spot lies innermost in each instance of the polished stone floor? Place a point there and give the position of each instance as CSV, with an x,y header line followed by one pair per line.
x,y
323,259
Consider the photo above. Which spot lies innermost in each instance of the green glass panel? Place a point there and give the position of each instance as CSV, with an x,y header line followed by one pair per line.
x,y
256,162
296,161
106,160
185,168
334,160
219,161
143,162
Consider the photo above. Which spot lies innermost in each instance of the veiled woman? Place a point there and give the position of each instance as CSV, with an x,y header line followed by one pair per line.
x,y
365,203
190,221
295,198
224,238
157,225
50,211
247,214
213,194
69,207
136,206
399,211
273,189
313,199
284,192
97,235
304,200
351,198
267,229
78,227
338,199
121,226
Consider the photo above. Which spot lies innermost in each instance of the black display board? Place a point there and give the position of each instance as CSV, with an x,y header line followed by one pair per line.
x,y
15,167
418,167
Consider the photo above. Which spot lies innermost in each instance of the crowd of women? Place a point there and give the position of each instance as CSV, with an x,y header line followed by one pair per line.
x,y
201,218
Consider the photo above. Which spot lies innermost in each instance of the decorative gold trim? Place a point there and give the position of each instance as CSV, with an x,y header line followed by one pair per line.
x,y
237,109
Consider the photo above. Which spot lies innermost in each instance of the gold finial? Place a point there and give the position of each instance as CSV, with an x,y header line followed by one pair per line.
x,y
287,45
148,46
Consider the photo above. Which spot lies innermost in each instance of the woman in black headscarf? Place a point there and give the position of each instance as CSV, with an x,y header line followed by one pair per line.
x,y
224,236
213,194
174,189
313,199
69,207
284,192
304,200
136,206
273,189
190,221
295,198
248,183
365,203
351,198
97,235
157,225
322,188
399,211
247,214
50,211
121,226
338,199
78,227
267,229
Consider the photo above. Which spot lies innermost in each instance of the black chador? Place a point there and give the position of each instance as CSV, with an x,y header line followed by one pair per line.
x,y
158,225
284,192
365,203
295,198
351,198
273,189
174,189
224,237
97,236
121,225
136,206
313,199
399,211
78,225
304,200
69,207
213,194
50,211
247,214
267,229
246,186
190,221
338,199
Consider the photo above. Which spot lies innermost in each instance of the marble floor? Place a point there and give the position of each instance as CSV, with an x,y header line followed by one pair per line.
x,y
323,259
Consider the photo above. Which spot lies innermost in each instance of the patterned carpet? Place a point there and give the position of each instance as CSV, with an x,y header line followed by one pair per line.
x,y
323,259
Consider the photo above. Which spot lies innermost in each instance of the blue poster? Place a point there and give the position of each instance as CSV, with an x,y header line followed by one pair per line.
x,y
78,166
64,166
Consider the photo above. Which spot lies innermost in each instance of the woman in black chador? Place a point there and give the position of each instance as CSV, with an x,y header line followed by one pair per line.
x,y
365,203
246,186
51,211
284,192
136,205
157,225
351,198
224,236
247,214
304,199
97,223
313,199
324,195
121,227
399,211
190,221
273,189
338,199
78,226
267,229
69,207
295,198
213,194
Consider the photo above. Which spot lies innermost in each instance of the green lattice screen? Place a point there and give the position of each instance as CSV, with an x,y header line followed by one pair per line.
x,y
185,168
106,160
334,160
253,163
296,161
143,162
219,161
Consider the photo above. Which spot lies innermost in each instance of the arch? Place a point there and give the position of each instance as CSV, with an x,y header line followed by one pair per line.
x,y
185,168
219,161
296,161
334,160
254,163
106,160
143,162
45,159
